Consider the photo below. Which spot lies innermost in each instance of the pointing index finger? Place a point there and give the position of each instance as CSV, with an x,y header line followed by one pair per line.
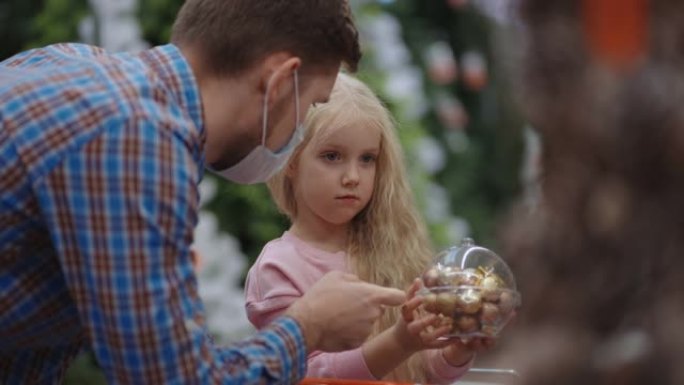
x,y
388,296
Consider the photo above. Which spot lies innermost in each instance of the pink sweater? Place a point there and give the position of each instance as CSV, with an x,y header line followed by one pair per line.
x,y
286,268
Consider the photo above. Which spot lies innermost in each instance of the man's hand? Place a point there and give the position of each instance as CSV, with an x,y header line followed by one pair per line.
x,y
338,312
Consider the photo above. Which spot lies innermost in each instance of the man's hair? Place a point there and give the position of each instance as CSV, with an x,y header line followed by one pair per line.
x,y
232,35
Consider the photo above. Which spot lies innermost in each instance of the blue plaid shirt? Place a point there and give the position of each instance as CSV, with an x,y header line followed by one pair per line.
x,y
100,158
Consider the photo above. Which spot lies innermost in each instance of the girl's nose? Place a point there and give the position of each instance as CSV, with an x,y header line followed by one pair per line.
x,y
351,176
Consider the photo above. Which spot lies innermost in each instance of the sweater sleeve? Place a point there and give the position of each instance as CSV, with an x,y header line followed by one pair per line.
x,y
278,278
439,371
272,285
349,364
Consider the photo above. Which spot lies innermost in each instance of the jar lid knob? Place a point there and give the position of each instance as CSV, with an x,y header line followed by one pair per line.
x,y
467,242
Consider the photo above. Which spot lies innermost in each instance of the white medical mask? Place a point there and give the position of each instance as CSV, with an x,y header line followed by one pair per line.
x,y
262,163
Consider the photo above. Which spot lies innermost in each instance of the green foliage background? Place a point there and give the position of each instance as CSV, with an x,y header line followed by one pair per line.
x,y
483,180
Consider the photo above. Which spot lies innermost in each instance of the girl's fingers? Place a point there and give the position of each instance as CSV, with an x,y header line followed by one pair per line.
x,y
413,303
406,314
413,289
420,325
409,307
429,329
431,339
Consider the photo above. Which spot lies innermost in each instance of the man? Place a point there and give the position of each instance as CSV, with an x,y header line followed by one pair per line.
x,y
100,158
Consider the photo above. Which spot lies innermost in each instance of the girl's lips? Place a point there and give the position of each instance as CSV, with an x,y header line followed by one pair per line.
x,y
348,198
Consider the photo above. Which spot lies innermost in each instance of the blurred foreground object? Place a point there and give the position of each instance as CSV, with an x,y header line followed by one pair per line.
x,y
599,261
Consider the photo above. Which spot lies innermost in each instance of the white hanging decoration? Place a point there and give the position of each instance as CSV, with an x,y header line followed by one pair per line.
x,y
474,67
430,154
441,64
451,112
113,26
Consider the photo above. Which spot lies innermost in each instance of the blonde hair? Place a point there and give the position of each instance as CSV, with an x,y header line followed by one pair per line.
x,y
388,241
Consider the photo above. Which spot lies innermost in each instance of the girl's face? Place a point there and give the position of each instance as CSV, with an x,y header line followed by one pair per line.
x,y
333,179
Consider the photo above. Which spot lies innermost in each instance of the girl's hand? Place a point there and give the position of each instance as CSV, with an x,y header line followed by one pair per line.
x,y
460,352
418,333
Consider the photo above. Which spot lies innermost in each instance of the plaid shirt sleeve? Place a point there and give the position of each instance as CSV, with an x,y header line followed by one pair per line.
x,y
116,192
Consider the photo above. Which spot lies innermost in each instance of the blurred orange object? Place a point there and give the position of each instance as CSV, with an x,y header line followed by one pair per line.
x,y
617,30
337,381
196,259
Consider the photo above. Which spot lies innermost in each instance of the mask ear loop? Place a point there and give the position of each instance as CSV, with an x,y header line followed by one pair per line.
x,y
265,114
296,87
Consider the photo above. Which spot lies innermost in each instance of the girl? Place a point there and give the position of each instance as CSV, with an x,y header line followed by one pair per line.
x,y
346,193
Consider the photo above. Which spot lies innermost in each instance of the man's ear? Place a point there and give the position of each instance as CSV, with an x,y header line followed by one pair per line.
x,y
278,75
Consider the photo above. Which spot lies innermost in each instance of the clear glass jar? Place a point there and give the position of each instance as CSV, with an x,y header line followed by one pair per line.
x,y
471,289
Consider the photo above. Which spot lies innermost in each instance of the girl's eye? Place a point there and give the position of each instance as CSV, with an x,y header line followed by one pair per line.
x,y
331,156
369,158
